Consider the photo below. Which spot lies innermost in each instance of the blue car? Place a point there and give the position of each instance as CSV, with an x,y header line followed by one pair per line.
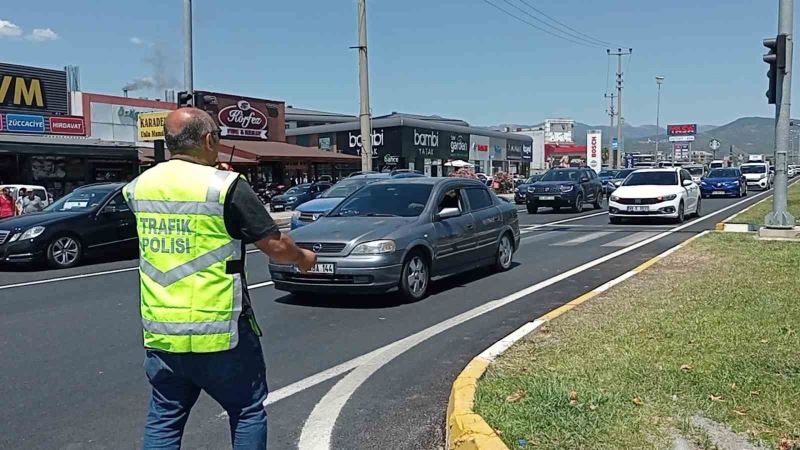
x,y
312,210
724,182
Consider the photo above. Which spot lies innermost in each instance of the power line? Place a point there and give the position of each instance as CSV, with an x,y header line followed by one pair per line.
x,y
565,25
540,28
570,35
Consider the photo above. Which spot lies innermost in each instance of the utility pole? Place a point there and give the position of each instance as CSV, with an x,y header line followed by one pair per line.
x,y
188,80
780,218
620,118
611,114
363,77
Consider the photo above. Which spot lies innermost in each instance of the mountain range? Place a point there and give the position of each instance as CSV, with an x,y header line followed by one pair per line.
x,y
746,135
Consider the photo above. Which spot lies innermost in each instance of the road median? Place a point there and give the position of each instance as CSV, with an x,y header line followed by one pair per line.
x,y
752,218
707,335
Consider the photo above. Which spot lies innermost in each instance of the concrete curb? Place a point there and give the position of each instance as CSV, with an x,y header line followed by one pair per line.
x,y
466,430
728,227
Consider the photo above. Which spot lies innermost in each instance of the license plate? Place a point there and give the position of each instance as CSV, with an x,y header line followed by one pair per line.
x,y
323,268
547,197
718,193
638,208
278,208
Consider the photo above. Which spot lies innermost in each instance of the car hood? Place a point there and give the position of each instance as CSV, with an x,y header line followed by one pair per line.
x,y
319,205
35,219
554,183
347,229
646,191
523,186
721,180
284,197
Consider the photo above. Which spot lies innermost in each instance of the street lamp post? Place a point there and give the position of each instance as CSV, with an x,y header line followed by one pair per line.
x,y
659,80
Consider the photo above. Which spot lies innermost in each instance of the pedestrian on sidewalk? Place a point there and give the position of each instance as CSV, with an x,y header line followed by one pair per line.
x,y
7,207
200,332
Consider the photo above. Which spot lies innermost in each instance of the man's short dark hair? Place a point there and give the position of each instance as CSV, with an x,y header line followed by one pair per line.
x,y
23,190
190,137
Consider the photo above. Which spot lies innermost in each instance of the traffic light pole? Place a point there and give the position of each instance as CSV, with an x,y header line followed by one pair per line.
x,y
188,81
780,218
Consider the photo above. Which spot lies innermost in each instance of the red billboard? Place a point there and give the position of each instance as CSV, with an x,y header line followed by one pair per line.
x,y
67,125
682,130
247,118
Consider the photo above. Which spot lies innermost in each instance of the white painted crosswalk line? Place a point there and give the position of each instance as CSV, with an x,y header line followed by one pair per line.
x,y
583,239
630,239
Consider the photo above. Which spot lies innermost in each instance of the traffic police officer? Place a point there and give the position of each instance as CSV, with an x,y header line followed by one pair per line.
x,y
200,332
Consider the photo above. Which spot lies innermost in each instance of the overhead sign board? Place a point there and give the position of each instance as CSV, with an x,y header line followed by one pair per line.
x,y
681,138
24,123
247,118
682,130
33,90
151,125
67,125
714,144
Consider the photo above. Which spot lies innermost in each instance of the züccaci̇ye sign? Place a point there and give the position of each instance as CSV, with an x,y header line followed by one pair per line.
x,y
247,118
151,125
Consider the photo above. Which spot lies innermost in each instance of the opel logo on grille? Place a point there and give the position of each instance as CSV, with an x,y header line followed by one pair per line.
x,y
317,247
547,189
638,201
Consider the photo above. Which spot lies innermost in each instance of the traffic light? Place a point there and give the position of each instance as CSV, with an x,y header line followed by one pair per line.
x,y
185,99
776,58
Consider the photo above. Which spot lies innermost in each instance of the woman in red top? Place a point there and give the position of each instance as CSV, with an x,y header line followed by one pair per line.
x,y
6,204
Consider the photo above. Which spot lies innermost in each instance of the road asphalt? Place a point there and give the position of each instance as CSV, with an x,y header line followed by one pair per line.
x,y
71,372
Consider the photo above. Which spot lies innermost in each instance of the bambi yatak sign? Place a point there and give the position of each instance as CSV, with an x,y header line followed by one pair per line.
x,y
594,154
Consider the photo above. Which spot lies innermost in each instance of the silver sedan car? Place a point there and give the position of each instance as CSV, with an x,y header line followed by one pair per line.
x,y
401,233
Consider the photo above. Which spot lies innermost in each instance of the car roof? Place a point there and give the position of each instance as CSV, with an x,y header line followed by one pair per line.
x,y
96,185
660,169
430,180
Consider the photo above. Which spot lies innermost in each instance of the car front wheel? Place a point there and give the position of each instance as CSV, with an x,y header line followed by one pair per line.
x,y
505,254
415,277
681,214
698,211
64,252
578,206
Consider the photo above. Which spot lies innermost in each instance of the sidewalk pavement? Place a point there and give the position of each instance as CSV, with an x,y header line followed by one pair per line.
x,y
282,218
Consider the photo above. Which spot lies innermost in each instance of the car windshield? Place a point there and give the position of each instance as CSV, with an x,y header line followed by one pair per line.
x,y
652,178
345,188
696,171
622,174
608,173
756,168
533,179
298,190
723,173
561,175
386,200
81,200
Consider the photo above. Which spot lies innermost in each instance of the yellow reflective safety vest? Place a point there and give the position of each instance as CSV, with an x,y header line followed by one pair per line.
x,y
189,300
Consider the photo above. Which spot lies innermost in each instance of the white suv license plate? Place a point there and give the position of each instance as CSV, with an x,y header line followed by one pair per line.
x,y
718,193
638,208
323,268
547,197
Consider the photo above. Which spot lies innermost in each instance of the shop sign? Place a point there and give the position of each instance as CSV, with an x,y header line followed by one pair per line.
x,y
151,125
354,142
247,118
527,153
459,146
391,160
325,144
482,147
67,125
594,157
426,142
24,123
514,152
27,89
1,122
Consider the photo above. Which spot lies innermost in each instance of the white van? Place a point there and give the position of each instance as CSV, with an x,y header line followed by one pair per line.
x,y
717,164
757,175
39,191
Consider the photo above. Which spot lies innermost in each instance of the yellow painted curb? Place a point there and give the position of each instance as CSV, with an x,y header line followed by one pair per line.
x,y
466,430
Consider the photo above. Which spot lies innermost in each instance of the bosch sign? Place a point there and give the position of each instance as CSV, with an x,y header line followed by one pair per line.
x,y
682,130
593,157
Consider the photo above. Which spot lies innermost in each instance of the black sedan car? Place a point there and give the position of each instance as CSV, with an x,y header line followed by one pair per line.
x,y
566,187
298,195
92,219
401,233
521,191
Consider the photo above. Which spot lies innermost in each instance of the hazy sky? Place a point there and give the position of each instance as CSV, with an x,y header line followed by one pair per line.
x,y
457,58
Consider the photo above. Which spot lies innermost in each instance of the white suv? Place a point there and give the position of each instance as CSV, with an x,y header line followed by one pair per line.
x,y
667,193
757,175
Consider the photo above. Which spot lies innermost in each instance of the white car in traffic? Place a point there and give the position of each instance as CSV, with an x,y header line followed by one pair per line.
x,y
757,175
655,193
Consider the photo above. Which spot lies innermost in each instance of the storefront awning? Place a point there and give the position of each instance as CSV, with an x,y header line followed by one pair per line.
x,y
146,155
281,151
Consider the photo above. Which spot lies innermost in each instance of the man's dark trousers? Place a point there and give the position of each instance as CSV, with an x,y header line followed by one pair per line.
x,y
236,379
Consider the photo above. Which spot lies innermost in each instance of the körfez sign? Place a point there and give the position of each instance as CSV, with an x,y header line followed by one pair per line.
x,y
247,118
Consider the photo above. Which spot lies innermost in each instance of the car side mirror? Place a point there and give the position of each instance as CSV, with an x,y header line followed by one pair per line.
x,y
584,179
448,213
687,183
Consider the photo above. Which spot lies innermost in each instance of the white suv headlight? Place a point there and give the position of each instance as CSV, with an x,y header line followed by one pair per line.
x,y
667,198
614,198
31,233
374,248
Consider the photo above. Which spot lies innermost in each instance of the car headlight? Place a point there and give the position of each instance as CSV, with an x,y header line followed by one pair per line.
x,y
291,199
295,215
667,198
374,248
614,198
567,188
516,190
703,183
618,183
31,233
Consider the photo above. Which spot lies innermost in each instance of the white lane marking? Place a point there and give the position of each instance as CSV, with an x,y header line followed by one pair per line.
x,y
541,237
499,347
260,285
536,226
318,428
582,239
72,277
630,239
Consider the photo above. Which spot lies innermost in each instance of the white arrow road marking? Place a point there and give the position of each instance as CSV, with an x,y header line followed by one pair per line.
x,y
318,429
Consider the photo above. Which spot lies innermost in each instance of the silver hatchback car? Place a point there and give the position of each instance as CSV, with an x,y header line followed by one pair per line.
x,y
400,233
